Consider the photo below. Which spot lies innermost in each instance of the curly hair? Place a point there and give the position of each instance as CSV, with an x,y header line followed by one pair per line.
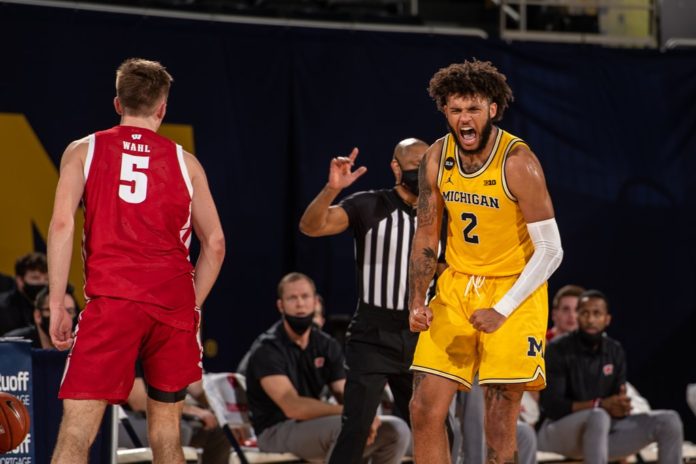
x,y
468,79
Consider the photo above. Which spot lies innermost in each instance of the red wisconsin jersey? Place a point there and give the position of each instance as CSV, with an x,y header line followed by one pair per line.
x,y
137,202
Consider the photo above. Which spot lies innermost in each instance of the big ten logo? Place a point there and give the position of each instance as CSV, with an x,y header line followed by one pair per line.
x,y
28,179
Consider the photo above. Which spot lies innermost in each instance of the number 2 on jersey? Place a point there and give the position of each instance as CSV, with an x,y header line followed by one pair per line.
x,y
468,236
134,190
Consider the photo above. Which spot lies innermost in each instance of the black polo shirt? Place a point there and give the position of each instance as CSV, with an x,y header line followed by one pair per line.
x,y
309,370
575,372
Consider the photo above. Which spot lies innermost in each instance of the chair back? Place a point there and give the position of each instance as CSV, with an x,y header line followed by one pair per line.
x,y
226,392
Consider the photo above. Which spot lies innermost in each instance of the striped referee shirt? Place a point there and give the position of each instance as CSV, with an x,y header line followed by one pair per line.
x,y
383,228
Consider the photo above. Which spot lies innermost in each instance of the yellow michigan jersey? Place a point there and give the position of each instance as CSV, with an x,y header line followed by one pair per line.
x,y
486,233
488,246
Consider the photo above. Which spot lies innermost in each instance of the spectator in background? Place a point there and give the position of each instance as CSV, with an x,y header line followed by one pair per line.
x,y
588,413
37,332
319,313
319,321
288,367
564,314
17,305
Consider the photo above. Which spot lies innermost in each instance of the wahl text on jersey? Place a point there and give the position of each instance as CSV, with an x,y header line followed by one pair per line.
x,y
139,147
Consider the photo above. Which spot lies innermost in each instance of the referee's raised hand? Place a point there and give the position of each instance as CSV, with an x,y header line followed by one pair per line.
x,y
341,174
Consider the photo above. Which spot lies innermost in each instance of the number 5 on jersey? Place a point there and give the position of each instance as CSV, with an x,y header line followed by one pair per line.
x,y
133,188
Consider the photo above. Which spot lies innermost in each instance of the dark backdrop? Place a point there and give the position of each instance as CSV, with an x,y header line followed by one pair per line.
x,y
614,129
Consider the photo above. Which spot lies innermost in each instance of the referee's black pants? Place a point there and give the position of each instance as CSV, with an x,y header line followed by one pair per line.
x,y
379,350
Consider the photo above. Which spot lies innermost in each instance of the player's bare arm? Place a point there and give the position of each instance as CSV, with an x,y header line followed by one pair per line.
x,y
526,181
320,218
206,225
283,393
423,261
61,231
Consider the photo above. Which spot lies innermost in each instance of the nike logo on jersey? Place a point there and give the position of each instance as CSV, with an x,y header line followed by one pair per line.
x,y
487,182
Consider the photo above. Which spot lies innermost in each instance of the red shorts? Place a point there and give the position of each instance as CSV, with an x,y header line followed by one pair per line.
x,y
109,338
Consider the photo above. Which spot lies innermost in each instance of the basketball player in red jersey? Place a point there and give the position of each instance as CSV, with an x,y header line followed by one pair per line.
x,y
143,196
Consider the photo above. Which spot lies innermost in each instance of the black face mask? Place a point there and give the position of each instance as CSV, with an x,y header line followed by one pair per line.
x,y
31,290
298,324
45,324
409,179
590,339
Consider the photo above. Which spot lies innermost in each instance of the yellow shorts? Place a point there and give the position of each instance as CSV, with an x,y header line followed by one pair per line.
x,y
452,348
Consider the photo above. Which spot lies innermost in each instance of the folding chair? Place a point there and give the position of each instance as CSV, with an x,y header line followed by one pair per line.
x,y
226,392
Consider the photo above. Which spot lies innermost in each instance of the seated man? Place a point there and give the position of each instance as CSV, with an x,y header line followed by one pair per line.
x,y
38,331
288,367
17,305
564,313
588,414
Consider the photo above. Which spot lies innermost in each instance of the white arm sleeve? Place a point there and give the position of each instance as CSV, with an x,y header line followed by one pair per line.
x,y
546,259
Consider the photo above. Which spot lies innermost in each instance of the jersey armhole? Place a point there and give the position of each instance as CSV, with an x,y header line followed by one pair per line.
x,y
441,164
511,144
184,169
90,155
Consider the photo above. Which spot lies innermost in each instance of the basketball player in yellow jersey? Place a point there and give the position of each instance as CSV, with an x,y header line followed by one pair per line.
x,y
490,311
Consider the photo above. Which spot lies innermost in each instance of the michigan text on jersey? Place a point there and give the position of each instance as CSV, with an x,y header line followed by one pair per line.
x,y
455,196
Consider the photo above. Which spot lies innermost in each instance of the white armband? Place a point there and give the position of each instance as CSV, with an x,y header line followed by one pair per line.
x,y
546,259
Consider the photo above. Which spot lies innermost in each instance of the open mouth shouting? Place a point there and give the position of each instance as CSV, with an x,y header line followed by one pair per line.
x,y
468,137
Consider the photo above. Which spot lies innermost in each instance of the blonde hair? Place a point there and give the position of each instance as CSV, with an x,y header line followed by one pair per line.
x,y
294,277
566,290
140,84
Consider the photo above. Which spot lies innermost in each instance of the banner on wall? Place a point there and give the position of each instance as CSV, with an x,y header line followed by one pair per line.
x,y
16,379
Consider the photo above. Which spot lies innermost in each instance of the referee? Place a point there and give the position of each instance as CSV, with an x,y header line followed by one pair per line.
x,y
379,344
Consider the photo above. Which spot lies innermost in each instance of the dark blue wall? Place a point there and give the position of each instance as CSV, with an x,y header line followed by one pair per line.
x,y
614,129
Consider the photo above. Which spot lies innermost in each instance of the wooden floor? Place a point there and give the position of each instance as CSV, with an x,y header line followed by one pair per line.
x,y
647,454
144,455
